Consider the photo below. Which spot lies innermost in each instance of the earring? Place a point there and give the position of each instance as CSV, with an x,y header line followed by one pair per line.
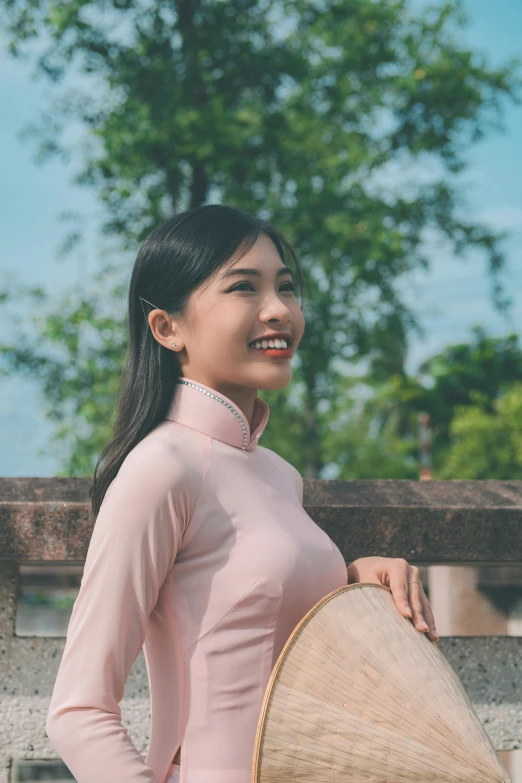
x,y
174,345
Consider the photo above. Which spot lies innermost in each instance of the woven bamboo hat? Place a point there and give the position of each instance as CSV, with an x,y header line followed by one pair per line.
x,y
358,694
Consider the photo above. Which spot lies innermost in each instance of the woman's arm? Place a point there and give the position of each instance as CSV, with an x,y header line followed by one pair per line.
x,y
133,546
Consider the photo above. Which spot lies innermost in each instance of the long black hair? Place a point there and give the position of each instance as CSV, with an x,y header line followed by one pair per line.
x,y
176,257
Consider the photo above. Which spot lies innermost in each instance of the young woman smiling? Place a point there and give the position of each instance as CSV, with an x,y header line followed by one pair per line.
x,y
201,552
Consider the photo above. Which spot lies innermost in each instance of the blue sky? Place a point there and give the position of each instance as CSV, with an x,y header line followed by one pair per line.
x,y
449,300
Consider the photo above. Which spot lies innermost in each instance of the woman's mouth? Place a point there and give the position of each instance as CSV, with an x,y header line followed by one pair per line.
x,y
276,353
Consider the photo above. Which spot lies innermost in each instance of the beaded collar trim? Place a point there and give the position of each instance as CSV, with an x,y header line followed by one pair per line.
x,y
202,408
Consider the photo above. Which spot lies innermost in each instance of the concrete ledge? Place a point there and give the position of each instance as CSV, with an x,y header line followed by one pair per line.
x,y
425,521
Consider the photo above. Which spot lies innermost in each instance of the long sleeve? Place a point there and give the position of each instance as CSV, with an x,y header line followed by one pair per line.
x,y
133,546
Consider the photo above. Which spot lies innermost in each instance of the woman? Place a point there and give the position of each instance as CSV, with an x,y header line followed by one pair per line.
x,y
201,551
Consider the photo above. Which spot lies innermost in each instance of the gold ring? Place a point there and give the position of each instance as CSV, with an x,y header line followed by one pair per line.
x,y
415,580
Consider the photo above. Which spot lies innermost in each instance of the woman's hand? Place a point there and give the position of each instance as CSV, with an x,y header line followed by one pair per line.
x,y
397,574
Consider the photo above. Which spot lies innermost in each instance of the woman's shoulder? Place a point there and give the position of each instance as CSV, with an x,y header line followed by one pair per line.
x,y
164,462
172,449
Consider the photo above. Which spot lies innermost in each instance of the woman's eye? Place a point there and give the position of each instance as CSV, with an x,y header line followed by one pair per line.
x,y
237,287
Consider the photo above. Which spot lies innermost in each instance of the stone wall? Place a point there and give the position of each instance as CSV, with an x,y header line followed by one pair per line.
x,y
467,523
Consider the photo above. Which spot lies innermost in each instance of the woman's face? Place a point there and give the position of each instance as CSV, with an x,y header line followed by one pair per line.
x,y
230,311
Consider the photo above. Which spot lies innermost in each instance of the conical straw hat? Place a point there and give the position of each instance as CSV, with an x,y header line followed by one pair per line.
x,y
359,695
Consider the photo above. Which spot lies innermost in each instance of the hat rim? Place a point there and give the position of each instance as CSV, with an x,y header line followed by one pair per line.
x,y
289,642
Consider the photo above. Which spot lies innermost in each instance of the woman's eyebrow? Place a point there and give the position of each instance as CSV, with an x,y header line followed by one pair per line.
x,y
283,270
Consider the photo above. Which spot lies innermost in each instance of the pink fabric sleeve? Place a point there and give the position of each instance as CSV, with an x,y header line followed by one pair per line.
x,y
133,546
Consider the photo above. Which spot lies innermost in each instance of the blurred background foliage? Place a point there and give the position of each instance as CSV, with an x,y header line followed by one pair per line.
x,y
345,123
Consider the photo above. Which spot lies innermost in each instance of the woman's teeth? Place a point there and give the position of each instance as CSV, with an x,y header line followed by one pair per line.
x,y
281,344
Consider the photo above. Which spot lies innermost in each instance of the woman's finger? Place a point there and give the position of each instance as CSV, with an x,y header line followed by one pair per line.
x,y
398,582
428,616
416,593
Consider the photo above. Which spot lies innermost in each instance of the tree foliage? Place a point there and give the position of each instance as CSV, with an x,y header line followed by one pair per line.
x,y
346,122
470,391
486,438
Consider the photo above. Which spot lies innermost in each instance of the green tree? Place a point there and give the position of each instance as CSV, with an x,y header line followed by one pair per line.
x,y
486,438
300,111
462,384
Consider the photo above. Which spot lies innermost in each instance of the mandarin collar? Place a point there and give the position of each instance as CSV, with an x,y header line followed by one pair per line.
x,y
204,409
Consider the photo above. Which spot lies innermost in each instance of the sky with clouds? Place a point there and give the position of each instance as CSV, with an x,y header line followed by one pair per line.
x,y
449,300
